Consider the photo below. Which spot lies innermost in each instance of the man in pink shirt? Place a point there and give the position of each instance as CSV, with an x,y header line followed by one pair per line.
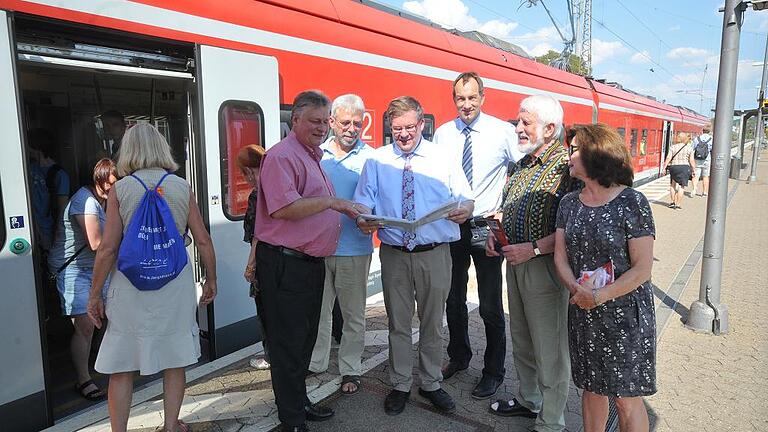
x,y
297,225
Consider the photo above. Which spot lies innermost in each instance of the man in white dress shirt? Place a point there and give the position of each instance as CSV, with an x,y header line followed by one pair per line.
x,y
485,146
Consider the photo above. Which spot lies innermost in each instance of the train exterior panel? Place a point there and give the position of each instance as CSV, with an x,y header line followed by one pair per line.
x,y
242,62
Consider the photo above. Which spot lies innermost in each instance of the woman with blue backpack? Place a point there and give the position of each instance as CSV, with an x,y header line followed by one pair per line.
x,y
151,302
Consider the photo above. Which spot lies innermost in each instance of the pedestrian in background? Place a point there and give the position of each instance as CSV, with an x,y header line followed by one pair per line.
x,y
702,154
346,271
538,303
681,166
611,328
249,161
485,145
148,331
71,261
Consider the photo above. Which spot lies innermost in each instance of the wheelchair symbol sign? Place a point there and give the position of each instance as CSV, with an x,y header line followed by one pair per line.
x,y
16,222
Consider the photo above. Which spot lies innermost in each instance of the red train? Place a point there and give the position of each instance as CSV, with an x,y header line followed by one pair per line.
x,y
214,76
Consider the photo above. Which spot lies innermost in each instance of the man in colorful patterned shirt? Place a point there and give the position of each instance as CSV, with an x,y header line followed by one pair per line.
x,y
537,302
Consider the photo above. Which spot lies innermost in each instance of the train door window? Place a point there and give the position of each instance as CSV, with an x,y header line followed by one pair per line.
x,y
623,133
241,123
633,142
644,142
428,132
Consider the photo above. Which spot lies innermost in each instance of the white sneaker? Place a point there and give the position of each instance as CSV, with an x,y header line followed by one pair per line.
x,y
259,363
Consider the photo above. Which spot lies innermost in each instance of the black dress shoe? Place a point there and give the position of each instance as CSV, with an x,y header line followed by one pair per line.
x,y
511,408
286,428
451,368
440,399
486,387
395,401
317,413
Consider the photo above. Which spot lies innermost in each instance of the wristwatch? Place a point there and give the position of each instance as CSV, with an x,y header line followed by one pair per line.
x,y
536,249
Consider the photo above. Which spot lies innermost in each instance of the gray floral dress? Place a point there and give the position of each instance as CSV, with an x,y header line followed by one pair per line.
x,y
613,346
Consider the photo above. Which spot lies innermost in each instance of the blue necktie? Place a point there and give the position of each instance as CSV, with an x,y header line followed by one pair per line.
x,y
409,206
466,156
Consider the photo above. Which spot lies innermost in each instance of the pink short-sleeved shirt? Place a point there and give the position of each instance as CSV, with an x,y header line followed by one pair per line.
x,y
289,171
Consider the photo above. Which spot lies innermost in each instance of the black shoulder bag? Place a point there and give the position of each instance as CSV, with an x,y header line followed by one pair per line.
x,y
53,276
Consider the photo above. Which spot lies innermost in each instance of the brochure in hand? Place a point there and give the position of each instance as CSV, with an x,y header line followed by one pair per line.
x,y
440,212
601,276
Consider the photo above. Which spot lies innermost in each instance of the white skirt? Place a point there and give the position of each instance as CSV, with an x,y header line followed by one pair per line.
x,y
149,331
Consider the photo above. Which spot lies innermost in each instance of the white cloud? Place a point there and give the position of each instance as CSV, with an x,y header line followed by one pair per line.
x,y
455,14
675,27
603,50
539,42
641,57
687,53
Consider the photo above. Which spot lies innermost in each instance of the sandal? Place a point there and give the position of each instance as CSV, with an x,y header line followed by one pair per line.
x,y
350,379
93,395
180,427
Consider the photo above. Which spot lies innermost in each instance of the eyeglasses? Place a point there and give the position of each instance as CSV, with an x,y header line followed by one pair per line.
x,y
396,130
347,123
572,149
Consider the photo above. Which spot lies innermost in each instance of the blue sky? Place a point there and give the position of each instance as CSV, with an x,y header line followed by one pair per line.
x,y
654,47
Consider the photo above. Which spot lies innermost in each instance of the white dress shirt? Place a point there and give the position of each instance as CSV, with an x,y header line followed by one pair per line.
x,y
494,146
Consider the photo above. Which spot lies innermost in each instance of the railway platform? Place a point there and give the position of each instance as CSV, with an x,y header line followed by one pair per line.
x,y
706,383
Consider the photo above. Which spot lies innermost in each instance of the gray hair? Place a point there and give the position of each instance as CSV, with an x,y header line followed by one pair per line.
x,y
349,102
547,110
308,98
143,146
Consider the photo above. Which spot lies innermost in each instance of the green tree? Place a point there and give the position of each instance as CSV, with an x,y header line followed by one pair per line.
x,y
575,65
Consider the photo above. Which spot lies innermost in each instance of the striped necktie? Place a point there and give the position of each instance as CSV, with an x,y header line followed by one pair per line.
x,y
466,156
409,206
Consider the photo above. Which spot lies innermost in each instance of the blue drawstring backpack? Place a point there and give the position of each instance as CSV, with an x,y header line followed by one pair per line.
x,y
152,252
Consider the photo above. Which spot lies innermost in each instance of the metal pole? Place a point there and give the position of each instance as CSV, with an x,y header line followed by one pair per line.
x,y
742,132
706,313
759,128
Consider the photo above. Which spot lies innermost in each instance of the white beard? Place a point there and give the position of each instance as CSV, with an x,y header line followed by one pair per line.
x,y
531,147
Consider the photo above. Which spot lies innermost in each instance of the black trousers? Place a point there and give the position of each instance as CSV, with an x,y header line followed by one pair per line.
x,y
488,272
291,295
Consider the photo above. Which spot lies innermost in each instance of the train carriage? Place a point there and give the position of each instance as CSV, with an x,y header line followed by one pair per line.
x,y
214,76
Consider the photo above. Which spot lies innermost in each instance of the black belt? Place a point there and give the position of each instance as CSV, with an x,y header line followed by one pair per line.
x,y
478,221
418,248
292,252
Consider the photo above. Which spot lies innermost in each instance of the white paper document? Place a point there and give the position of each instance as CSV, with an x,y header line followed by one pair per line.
x,y
440,212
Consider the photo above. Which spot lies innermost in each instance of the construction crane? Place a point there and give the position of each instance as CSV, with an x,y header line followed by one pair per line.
x,y
580,40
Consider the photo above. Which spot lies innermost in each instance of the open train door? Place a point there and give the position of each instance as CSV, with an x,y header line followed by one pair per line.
x,y
23,402
239,106
666,143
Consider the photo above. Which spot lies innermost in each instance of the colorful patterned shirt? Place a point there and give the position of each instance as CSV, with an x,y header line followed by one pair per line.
x,y
532,194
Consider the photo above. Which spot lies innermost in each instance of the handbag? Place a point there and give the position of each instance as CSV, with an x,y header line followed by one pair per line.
x,y
478,229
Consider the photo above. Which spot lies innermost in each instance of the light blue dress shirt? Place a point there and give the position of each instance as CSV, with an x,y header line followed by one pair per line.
x,y
344,174
438,179
494,146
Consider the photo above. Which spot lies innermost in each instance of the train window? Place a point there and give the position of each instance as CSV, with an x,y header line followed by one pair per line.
x,y
623,133
633,142
428,132
643,142
241,123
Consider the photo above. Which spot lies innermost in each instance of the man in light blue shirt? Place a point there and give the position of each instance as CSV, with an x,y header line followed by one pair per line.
x,y
485,145
408,180
346,272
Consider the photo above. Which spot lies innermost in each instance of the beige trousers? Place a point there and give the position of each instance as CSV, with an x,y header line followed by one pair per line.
x,y
346,277
422,278
538,326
